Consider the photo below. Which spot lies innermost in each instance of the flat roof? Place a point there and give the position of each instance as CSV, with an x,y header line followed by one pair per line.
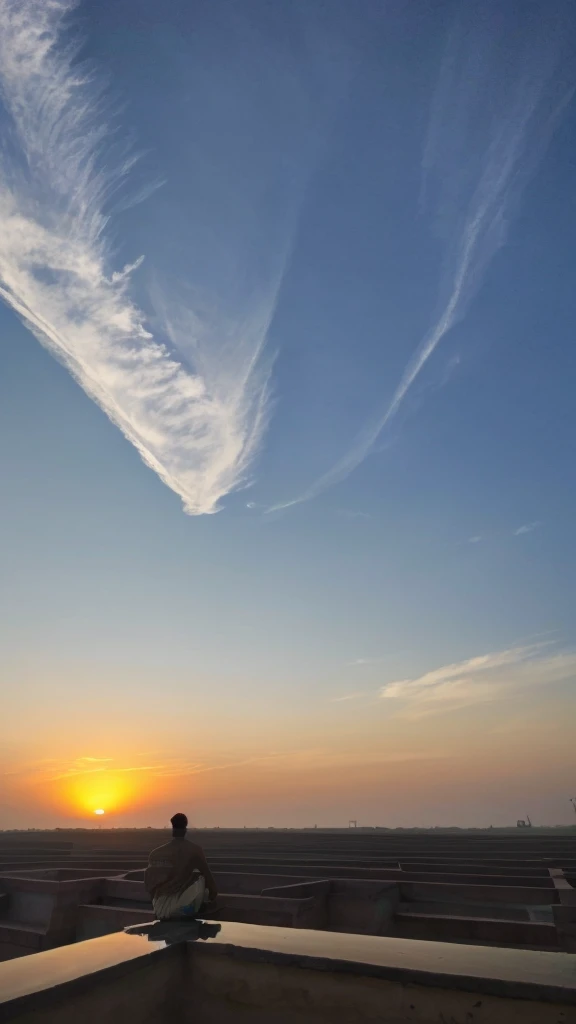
x,y
33,981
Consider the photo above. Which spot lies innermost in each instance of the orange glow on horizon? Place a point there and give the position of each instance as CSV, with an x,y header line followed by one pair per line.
x,y
98,793
82,788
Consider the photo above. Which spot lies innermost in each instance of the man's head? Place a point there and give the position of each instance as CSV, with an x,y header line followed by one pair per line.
x,y
179,825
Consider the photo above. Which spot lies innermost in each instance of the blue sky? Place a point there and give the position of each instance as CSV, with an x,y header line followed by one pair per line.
x,y
347,354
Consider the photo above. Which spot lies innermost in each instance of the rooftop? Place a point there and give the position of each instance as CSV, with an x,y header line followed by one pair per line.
x,y
212,972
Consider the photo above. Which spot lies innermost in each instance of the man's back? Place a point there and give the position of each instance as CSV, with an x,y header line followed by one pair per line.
x,y
171,868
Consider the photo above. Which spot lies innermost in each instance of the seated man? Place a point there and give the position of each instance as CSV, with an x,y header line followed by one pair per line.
x,y
178,877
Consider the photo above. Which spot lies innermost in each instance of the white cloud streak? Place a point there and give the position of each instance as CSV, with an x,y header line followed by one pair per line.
x,y
346,513
486,678
364,661
198,421
349,696
526,528
500,95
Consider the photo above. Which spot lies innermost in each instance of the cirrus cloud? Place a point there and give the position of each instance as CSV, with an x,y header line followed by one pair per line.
x,y
484,678
197,421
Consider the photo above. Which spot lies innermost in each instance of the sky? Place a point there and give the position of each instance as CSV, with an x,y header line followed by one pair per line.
x,y
287,423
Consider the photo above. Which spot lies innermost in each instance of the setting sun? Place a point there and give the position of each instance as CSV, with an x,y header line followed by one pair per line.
x,y
95,791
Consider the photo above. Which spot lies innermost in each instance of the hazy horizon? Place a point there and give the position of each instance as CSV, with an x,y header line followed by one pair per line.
x,y
294,828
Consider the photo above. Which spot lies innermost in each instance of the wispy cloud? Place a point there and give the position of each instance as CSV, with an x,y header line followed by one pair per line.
x,y
349,696
196,421
487,677
460,670
364,661
501,92
348,513
526,528
475,540
56,770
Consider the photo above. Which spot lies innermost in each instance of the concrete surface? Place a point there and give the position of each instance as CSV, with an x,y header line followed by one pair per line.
x,y
240,973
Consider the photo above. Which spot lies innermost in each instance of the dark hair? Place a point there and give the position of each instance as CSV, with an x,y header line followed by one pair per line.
x,y
179,824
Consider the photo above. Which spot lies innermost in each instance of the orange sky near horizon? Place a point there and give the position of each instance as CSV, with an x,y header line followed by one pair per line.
x,y
346,761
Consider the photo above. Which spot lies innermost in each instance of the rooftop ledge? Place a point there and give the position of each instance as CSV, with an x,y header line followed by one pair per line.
x,y
46,984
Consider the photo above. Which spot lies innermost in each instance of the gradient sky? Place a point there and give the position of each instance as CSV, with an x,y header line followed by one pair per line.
x,y
288,506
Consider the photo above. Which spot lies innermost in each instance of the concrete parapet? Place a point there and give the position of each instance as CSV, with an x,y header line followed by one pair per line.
x,y
235,974
424,891
566,892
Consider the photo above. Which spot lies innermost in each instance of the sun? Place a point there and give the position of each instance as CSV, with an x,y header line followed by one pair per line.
x,y
99,793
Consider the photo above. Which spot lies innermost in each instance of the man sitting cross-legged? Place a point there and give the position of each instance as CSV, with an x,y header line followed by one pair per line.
x,y
178,877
